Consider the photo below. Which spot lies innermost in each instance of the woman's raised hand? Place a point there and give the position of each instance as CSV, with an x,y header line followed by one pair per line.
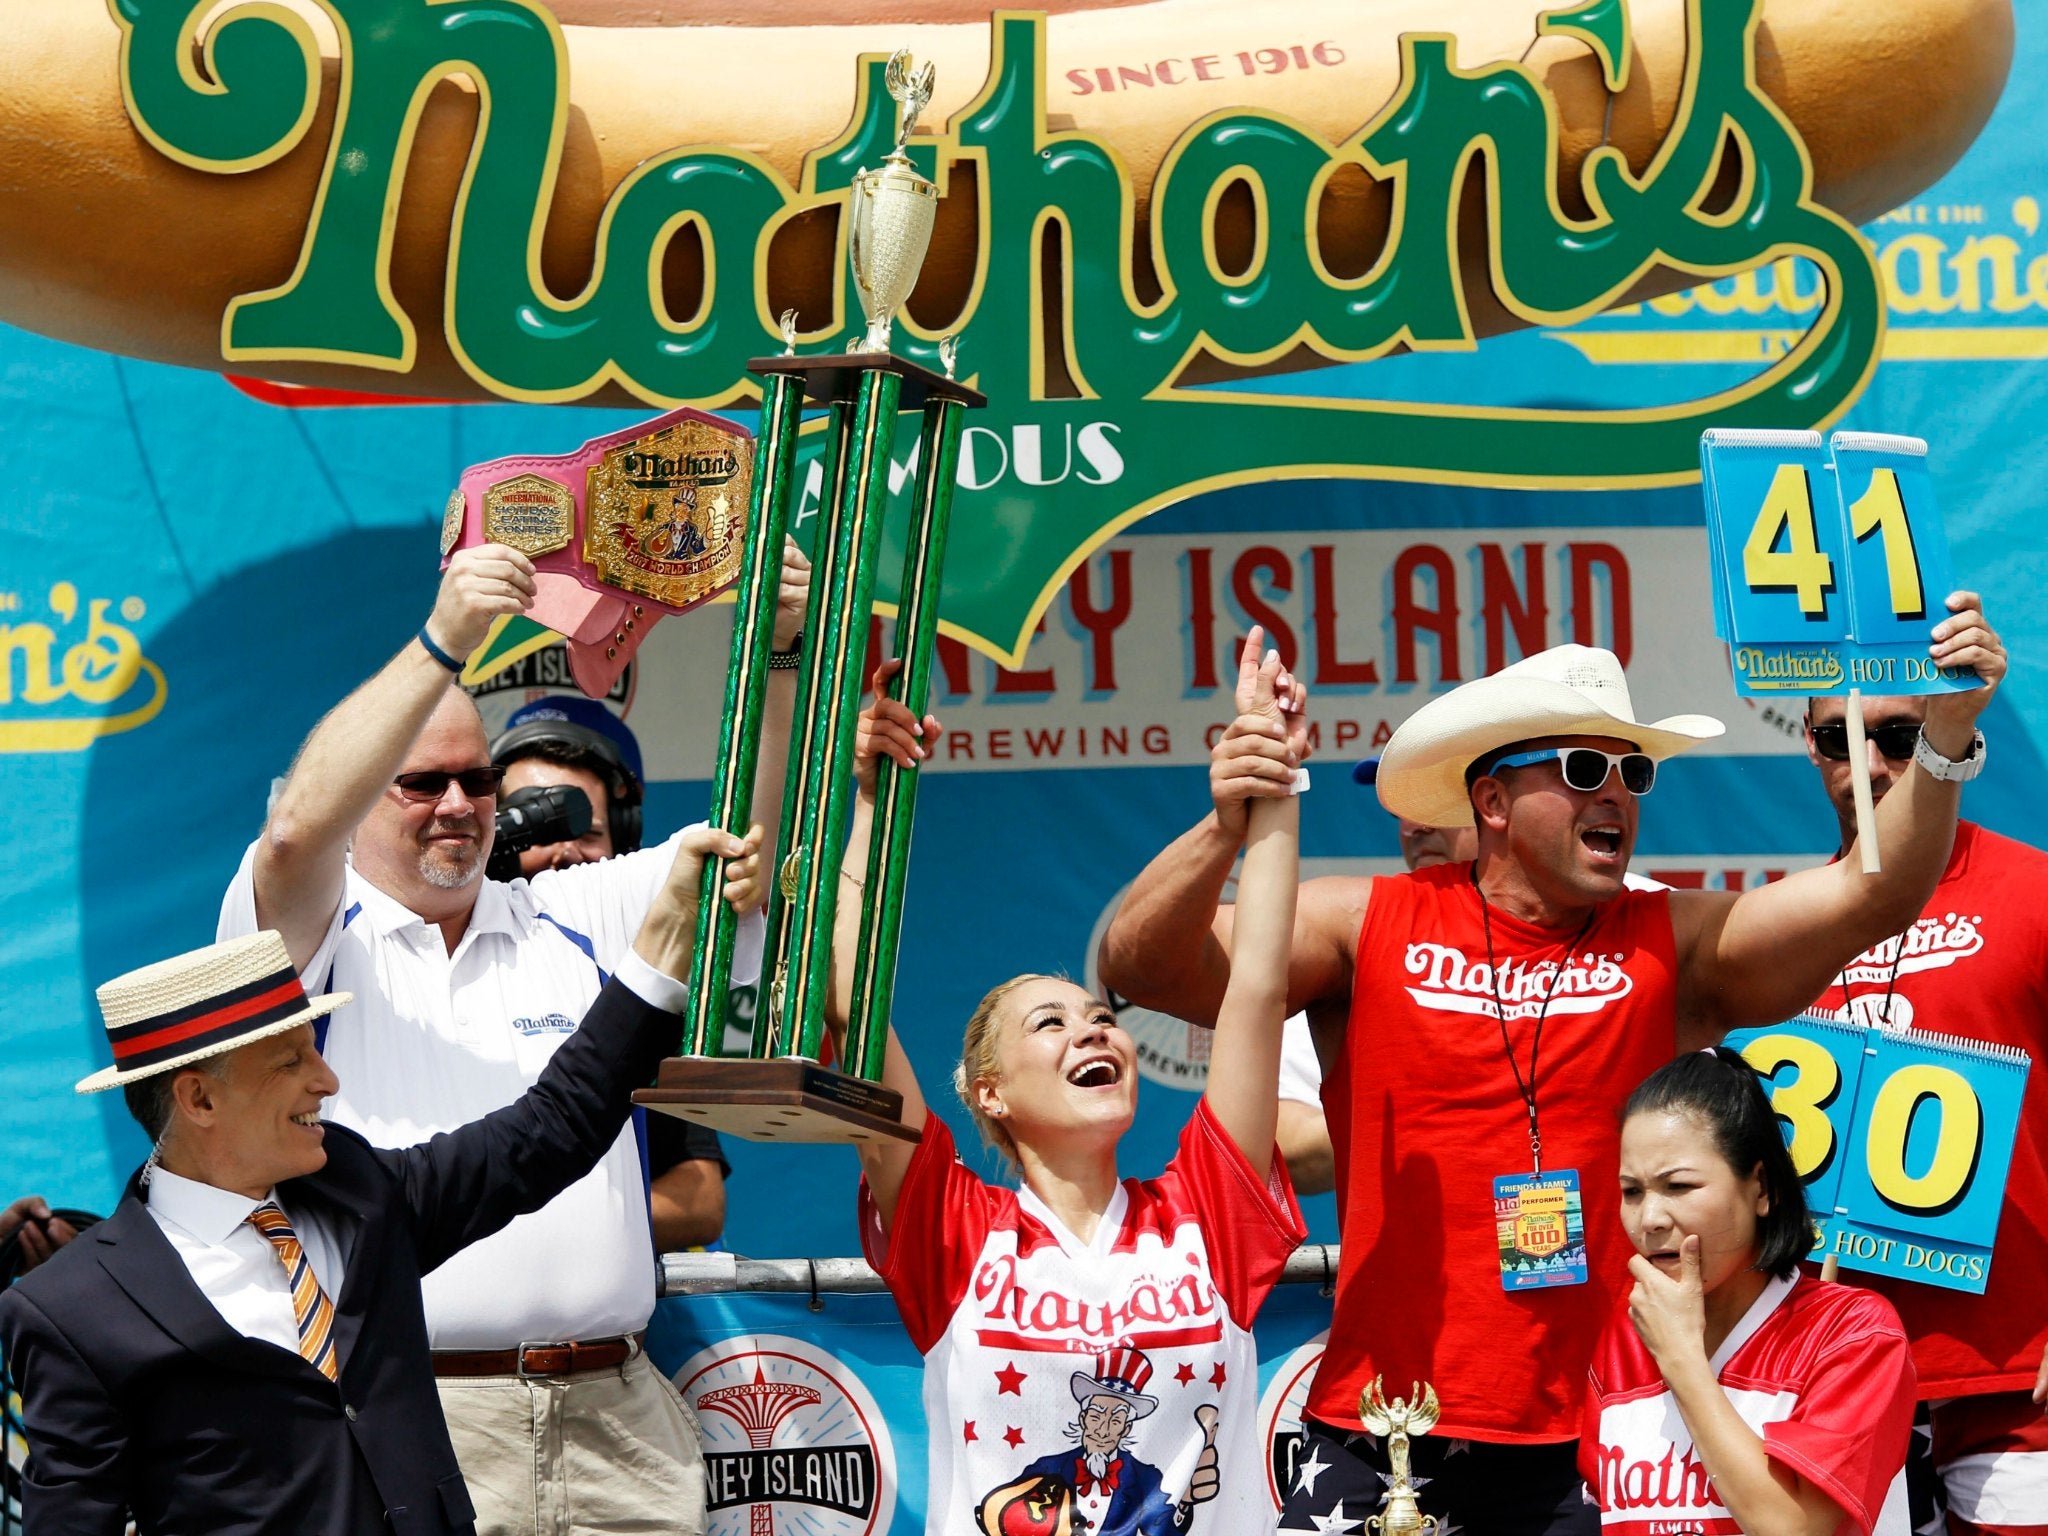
x,y
888,729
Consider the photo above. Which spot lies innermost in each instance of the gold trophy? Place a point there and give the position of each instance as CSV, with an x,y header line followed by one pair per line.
x,y
891,211
1415,1414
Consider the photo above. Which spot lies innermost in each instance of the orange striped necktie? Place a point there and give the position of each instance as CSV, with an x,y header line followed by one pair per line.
x,y
310,1306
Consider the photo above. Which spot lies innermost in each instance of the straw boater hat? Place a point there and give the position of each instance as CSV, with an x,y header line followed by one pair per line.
x,y
196,1005
1568,690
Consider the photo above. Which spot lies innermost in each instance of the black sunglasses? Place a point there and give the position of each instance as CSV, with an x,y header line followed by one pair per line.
x,y
432,783
1896,740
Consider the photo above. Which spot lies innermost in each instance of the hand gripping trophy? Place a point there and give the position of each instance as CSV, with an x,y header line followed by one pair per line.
x,y
779,1091
1415,1414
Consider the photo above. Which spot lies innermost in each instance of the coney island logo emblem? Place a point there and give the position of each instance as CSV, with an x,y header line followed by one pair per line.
x,y
792,1440
1281,1406
1449,980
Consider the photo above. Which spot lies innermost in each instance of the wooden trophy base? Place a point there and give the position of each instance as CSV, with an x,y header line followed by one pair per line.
x,y
786,1099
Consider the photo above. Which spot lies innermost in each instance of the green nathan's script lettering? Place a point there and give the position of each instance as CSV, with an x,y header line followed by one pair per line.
x,y
1136,438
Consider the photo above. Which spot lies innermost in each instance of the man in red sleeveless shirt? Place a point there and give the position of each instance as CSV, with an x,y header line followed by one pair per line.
x,y
1972,964
1499,1012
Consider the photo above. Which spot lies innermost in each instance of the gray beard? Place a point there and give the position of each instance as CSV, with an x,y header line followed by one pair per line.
x,y
1098,1463
449,873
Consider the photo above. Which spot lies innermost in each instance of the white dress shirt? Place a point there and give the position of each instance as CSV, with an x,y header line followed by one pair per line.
x,y
235,1266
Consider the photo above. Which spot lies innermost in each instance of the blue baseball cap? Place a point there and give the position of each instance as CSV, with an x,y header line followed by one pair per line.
x,y
570,709
1367,772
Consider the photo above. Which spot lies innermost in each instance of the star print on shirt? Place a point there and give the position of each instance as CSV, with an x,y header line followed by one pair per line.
x,y
1184,1373
967,1434
1011,1380
1216,1376
1013,1437
1335,1523
1306,1474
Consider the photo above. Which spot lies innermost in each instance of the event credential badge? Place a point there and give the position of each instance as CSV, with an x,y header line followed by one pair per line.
x,y
1541,1227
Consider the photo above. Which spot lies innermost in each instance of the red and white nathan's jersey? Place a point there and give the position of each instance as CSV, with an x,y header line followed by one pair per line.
x,y
1822,1372
1053,1364
1973,965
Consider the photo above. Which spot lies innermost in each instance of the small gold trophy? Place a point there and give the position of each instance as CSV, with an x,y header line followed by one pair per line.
x,y
1415,1414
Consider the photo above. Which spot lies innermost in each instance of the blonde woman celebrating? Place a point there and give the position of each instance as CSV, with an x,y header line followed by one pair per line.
x,y
1087,1337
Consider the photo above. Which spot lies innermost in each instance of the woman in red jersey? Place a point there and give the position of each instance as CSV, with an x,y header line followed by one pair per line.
x,y
1089,1364
1734,1394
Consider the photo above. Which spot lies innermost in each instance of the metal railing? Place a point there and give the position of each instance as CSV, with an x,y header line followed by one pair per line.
x,y
712,1274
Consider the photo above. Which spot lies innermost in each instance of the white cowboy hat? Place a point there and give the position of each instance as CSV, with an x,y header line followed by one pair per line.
x,y
1568,690
200,1004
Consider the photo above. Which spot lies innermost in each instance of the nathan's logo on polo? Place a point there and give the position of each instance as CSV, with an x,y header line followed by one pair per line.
x,y
66,683
1455,982
786,1426
546,1024
1795,671
1142,319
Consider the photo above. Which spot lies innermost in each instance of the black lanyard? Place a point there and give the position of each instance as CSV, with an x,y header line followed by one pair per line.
x,y
1500,1013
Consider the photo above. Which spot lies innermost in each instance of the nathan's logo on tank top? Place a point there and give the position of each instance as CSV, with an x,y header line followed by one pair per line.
x,y
1168,1306
792,1440
1100,373
1451,981
1929,945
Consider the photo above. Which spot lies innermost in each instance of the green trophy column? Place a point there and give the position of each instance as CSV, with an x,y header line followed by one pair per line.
x,y
828,553
917,626
746,690
833,658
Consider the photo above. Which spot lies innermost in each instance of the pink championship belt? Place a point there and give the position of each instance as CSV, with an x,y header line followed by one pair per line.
x,y
641,522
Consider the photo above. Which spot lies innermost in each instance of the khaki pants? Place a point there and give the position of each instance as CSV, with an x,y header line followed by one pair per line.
x,y
599,1453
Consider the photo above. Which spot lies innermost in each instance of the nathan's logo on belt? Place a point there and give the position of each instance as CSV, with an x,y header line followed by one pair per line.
x,y
1454,982
784,1423
665,512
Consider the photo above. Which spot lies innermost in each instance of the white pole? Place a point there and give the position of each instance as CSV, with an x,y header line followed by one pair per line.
x,y
1859,784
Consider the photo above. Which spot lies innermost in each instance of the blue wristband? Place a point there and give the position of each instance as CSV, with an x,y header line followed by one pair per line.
x,y
427,644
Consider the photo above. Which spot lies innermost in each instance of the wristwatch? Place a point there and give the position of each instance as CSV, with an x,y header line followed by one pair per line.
x,y
1954,771
789,660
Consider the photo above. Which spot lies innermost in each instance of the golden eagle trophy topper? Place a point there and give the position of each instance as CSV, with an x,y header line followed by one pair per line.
x,y
779,1091
1415,1414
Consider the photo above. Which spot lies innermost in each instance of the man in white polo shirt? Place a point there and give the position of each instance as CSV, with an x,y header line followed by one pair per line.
x,y
371,865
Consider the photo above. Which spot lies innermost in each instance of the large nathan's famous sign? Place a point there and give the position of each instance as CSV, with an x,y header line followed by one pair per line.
x,y
1144,205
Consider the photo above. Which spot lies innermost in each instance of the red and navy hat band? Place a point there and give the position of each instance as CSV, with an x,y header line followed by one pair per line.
x,y
209,1022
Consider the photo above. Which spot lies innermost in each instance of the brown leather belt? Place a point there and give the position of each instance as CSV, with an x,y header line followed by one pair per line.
x,y
540,1359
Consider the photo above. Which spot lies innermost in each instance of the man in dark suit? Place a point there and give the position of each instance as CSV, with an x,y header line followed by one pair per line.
x,y
241,1347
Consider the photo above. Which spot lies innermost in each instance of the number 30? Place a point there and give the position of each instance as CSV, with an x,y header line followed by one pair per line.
x,y
1803,1103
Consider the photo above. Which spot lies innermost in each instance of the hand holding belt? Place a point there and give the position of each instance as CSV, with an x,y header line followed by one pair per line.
x,y
642,522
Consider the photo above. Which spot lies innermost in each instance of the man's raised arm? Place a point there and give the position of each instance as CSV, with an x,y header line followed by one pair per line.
x,y
352,754
1761,957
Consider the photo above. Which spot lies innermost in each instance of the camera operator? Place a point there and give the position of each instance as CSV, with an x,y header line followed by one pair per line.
x,y
569,741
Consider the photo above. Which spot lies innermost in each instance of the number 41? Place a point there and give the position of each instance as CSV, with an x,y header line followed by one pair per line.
x,y
1802,567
